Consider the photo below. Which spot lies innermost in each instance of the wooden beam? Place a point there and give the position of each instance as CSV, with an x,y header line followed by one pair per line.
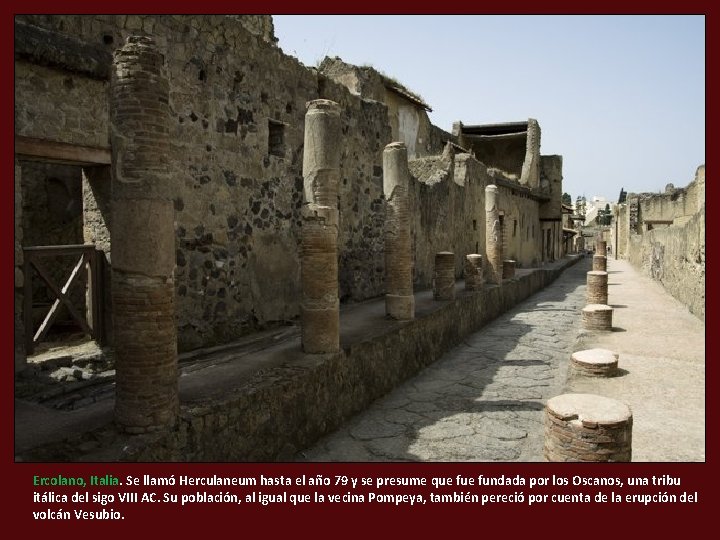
x,y
58,152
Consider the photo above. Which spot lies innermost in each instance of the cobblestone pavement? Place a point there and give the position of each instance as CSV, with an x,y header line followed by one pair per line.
x,y
482,401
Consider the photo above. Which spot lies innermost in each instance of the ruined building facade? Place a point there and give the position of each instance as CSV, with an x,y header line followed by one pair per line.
x,y
663,235
174,151
237,106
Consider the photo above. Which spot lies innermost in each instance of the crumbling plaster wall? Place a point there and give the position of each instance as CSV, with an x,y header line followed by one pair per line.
x,y
675,255
448,197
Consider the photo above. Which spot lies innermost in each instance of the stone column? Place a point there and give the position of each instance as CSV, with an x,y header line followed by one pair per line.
x,y
597,317
320,305
599,263
597,287
601,247
586,427
143,241
473,272
595,362
493,236
508,269
399,299
444,276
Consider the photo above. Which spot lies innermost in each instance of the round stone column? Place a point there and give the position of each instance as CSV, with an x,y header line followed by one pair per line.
x,y
143,240
601,247
595,362
473,272
399,299
320,304
508,269
493,236
600,263
597,317
586,427
597,287
444,276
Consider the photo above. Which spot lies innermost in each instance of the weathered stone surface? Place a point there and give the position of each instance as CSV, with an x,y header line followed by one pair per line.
x,y
493,236
444,277
143,289
599,263
321,153
508,269
530,175
473,271
58,50
399,300
320,315
674,256
597,317
587,427
597,287
237,135
595,362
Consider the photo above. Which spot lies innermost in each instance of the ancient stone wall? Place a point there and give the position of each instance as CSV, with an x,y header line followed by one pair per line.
x,y
622,230
447,213
60,105
409,122
521,227
237,105
674,206
675,256
237,130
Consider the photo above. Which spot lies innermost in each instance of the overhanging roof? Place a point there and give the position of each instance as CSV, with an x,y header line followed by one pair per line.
x,y
507,128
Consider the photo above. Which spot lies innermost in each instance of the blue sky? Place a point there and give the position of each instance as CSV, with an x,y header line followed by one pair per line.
x,y
621,98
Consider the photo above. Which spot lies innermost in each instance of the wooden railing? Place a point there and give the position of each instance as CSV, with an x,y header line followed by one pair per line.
x,y
86,269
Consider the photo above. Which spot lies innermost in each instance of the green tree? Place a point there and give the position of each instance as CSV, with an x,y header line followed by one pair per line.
x,y
566,199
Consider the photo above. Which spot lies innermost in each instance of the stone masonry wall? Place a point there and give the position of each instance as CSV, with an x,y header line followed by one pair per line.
x,y
238,109
238,105
675,256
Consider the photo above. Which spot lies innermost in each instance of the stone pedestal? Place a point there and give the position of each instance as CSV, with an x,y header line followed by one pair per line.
x,y
600,247
597,287
586,427
473,272
595,362
444,276
599,263
493,236
399,300
320,304
597,317
143,241
508,269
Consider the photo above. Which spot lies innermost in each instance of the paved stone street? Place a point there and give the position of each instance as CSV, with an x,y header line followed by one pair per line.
x,y
482,401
